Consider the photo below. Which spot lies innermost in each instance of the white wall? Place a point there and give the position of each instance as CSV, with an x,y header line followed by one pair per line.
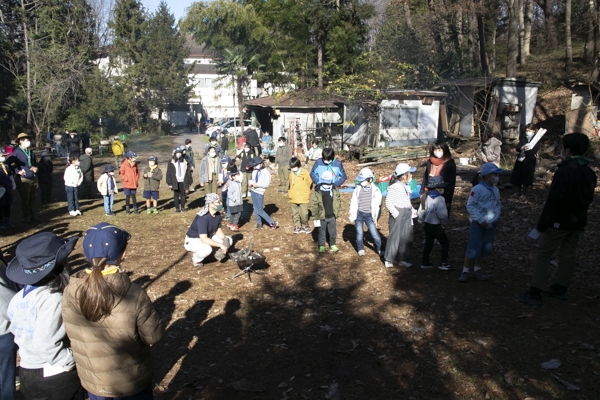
x,y
422,130
509,92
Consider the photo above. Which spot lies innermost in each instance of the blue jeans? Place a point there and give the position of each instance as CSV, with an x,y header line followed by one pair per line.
x,y
366,218
259,211
7,366
108,203
481,240
72,198
60,152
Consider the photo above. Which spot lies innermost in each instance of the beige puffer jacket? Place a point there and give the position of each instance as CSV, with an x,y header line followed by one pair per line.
x,y
113,355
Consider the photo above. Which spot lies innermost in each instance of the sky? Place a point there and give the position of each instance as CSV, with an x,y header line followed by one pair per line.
x,y
177,7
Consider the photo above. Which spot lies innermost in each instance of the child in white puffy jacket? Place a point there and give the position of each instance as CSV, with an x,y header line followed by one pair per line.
x,y
73,178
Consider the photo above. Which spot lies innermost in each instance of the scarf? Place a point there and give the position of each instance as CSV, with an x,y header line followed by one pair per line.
x,y
208,199
581,160
436,165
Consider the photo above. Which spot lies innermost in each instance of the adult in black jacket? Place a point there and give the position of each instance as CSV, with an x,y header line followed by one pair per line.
x,y
246,156
86,166
524,169
73,144
563,218
253,140
224,142
440,163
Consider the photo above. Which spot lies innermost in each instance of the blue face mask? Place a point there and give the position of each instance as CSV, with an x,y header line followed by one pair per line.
x,y
219,208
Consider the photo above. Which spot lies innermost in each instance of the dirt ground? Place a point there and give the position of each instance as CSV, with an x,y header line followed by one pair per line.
x,y
339,326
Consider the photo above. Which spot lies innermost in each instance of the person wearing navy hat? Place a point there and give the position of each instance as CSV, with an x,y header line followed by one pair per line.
x,y
47,367
130,175
110,320
179,179
484,208
107,186
433,214
399,244
152,177
260,181
214,144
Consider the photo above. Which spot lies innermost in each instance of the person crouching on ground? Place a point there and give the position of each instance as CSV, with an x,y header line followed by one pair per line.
x,y
107,186
325,204
563,218
110,321
399,243
130,176
484,208
299,195
73,178
205,232
152,177
433,214
47,368
365,207
235,202
261,179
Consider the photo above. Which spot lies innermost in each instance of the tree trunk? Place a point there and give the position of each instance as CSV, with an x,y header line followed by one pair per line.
x,y
526,50
493,61
240,101
319,63
512,47
569,61
27,65
589,50
457,26
520,10
550,23
485,70
407,16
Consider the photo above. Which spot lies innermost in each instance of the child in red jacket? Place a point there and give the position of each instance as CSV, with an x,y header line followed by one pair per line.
x,y
130,175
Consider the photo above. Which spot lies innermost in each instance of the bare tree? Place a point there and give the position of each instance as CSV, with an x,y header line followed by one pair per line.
x,y
512,47
568,44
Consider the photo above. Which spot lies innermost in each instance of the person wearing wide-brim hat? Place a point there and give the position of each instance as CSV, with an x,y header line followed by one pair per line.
x,y
26,176
110,320
433,213
47,367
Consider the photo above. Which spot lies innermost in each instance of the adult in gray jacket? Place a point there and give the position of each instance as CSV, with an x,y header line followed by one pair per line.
x,y
282,159
47,367
87,169
7,340
491,150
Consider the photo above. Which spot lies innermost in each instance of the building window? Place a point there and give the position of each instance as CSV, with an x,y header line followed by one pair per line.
x,y
400,118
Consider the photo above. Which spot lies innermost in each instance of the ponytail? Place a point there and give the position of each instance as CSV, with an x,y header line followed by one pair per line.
x,y
96,296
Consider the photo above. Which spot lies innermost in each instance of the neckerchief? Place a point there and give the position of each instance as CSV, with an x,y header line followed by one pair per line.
x,y
27,154
28,289
581,160
106,271
4,168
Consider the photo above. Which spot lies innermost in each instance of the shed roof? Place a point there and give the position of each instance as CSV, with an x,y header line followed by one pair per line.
x,y
306,98
486,81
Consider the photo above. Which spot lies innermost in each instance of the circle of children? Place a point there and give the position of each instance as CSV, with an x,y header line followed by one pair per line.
x,y
66,326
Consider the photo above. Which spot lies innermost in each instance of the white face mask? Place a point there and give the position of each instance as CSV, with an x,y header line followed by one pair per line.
x,y
213,144
281,144
151,163
111,173
178,155
438,153
246,149
365,184
2,158
325,187
212,155
295,169
239,178
26,144
326,162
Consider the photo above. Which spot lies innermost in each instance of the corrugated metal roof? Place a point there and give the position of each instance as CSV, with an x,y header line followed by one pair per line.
x,y
307,98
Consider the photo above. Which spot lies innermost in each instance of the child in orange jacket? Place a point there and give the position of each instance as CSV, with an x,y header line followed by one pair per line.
x,y
130,175
299,195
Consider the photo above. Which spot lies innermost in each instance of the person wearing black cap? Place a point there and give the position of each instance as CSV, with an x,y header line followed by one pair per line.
x,y
73,144
47,367
179,178
152,177
432,214
107,186
110,320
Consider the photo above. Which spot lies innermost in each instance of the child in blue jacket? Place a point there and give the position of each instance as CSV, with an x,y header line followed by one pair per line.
x,y
328,162
484,207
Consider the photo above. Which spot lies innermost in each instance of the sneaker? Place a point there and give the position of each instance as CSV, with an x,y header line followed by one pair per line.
x,y
155,211
274,225
148,211
225,218
258,226
381,253
177,210
405,264
557,292
135,211
197,265
464,277
77,212
445,267
235,228
321,249
307,230
334,249
426,265
111,214
185,209
127,211
389,264
530,298
479,275
72,213
297,229
361,253
229,225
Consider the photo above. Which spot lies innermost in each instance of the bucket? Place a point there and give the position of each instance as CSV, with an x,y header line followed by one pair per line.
x,y
463,161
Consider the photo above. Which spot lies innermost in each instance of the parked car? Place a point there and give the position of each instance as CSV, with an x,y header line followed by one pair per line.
x,y
232,126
